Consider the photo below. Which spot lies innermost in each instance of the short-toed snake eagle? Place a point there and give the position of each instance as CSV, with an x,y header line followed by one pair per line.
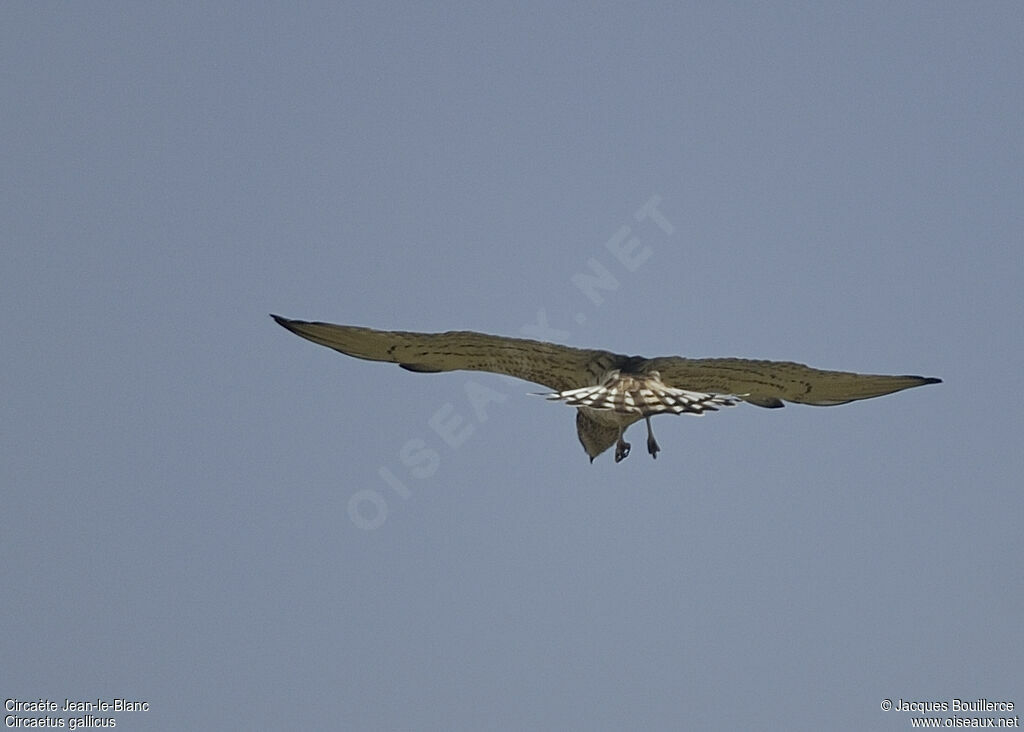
x,y
609,390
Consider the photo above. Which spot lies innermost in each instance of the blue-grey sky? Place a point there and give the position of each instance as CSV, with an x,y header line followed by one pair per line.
x,y
206,513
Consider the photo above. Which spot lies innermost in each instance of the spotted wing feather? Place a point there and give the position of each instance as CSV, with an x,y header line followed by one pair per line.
x,y
644,396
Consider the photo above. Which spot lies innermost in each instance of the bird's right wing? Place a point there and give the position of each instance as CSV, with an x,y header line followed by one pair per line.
x,y
769,383
554,366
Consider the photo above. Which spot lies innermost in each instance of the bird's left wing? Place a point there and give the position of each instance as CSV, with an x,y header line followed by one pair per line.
x,y
769,383
554,366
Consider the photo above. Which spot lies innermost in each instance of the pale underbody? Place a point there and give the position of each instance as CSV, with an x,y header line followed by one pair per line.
x,y
621,422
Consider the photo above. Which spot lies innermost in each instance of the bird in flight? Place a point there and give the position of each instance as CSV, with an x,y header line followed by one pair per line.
x,y
609,390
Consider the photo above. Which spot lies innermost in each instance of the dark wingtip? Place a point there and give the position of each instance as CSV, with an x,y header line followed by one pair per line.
x,y
292,326
929,380
284,322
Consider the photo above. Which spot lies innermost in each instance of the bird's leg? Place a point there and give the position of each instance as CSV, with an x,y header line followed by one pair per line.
x,y
621,447
652,444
